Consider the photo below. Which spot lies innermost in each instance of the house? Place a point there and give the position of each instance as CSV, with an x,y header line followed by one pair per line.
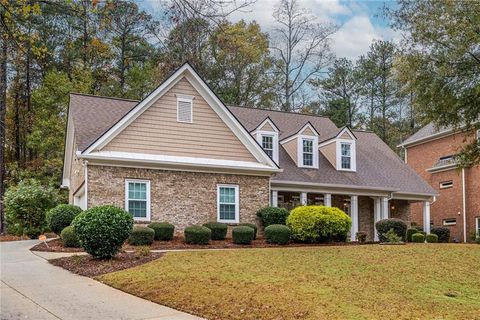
x,y
430,152
181,155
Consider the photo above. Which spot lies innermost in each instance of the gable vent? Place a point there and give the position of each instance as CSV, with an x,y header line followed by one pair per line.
x,y
184,110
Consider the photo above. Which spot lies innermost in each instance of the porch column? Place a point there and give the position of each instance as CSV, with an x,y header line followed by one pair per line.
x,y
384,208
377,215
327,199
274,200
426,216
354,216
303,198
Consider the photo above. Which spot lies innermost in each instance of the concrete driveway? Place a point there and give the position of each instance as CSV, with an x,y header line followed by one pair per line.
x,y
31,288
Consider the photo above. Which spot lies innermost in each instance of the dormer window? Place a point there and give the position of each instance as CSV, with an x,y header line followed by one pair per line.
x,y
266,135
346,155
267,144
307,152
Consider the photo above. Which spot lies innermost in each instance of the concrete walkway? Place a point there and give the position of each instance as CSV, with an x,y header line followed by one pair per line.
x,y
31,288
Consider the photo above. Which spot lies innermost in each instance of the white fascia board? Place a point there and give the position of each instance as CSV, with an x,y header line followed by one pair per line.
x,y
323,144
179,161
261,125
442,168
348,131
296,135
329,185
309,126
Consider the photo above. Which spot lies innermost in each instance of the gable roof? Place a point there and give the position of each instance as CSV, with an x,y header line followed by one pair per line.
x,y
426,132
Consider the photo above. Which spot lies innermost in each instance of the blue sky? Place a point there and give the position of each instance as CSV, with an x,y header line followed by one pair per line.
x,y
360,21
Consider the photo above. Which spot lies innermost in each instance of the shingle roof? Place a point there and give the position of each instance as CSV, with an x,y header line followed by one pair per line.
x,y
425,132
377,165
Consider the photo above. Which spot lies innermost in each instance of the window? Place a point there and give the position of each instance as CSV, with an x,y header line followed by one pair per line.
x,y
227,203
137,199
446,184
449,222
267,145
477,226
307,152
346,155
184,109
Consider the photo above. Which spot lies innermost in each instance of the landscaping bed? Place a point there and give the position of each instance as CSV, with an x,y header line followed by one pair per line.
x,y
8,237
85,265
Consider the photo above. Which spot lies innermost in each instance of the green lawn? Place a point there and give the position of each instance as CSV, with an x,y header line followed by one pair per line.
x,y
416,281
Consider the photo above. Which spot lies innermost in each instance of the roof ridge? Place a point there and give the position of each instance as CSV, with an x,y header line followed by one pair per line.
x,y
287,112
103,97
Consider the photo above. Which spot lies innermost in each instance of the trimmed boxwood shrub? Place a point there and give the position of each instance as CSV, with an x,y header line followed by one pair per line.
x,y
61,217
102,230
69,238
197,235
318,224
141,236
272,215
163,230
383,226
219,230
410,232
277,233
432,238
242,235
418,237
251,225
443,233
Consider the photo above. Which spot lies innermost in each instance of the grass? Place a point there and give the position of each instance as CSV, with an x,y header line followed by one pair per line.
x,y
416,281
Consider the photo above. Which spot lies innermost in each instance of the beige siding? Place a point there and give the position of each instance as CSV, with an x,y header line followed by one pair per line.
x,y
308,132
267,127
157,131
345,135
77,174
291,148
329,151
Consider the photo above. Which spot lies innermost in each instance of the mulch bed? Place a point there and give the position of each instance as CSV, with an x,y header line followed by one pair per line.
x,y
55,245
89,267
8,237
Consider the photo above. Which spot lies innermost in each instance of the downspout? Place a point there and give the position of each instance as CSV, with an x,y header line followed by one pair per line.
x,y
464,207
85,165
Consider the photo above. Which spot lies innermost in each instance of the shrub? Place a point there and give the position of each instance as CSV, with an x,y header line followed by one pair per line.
x,y
318,224
477,239
277,233
141,236
142,251
69,237
383,226
242,235
361,236
102,230
26,205
410,233
418,237
251,225
197,235
392,237
443,233
61,217
432,238
272,215
219,230
163,230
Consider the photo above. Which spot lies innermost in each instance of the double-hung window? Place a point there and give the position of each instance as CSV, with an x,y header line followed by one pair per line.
x,y
267,145
227,203
346,155
307,145
137,199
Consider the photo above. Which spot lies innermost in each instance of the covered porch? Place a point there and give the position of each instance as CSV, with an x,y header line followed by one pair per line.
x,y
365,207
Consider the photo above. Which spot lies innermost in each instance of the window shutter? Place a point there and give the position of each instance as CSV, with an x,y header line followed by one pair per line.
x,y
184,110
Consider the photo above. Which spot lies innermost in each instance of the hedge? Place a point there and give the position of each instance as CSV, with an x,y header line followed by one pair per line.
x,y
163,230
61,217
251,225
219,230
242,235
318,224
410,232
141,236
103,230
432,238
277,234
398,225
272,215
69,237
418,237
197,235
443,233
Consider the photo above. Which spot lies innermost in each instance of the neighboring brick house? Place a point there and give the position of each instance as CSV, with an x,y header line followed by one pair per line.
x,y
181,155
430,152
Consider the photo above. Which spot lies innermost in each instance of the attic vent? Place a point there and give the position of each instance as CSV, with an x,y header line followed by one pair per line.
x,y
184,109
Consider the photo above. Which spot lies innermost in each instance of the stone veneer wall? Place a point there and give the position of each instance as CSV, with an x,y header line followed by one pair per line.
x,y
365,216
178,197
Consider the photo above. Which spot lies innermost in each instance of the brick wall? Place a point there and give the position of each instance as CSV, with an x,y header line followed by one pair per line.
x,y
181,198
449,204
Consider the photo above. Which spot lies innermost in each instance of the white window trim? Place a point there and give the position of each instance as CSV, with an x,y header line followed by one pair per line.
x,y
353,155
237,203
300,151
189,99
147,218
260,134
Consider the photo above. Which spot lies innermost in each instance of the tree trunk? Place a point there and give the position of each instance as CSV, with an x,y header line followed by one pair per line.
x,y
3,107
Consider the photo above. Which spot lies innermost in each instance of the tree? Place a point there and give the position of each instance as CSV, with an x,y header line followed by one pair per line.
x,y
301,46
441,63
341,92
